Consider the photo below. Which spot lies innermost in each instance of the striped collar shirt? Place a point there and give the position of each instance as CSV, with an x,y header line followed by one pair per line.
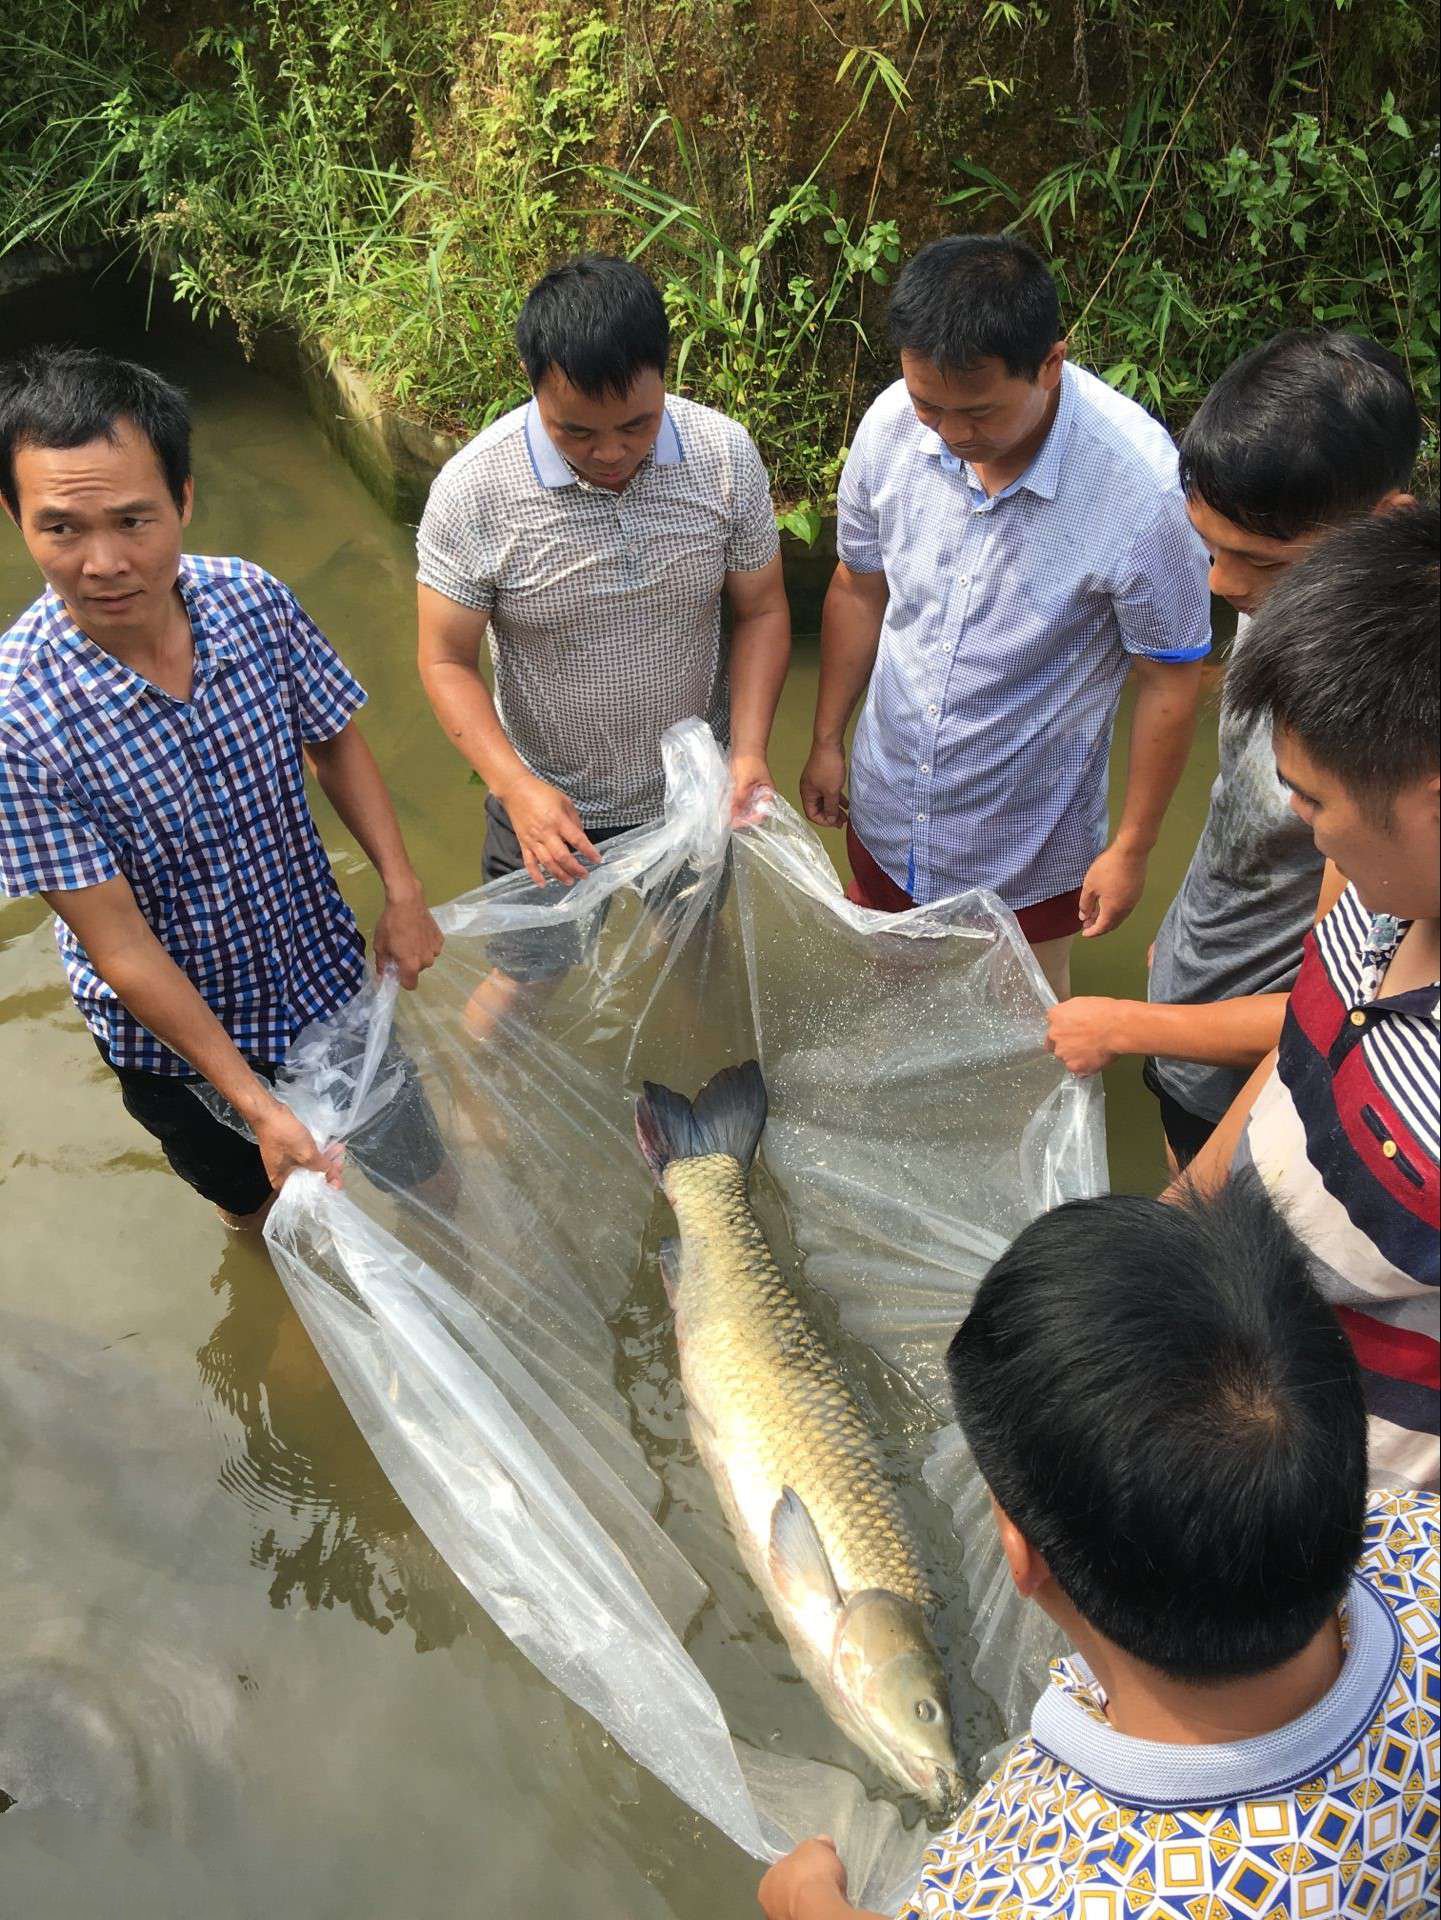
x,y
604,608
199,804
981,756
1345,1136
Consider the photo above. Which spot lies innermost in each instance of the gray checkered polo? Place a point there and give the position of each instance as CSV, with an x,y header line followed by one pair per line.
x,y
605,608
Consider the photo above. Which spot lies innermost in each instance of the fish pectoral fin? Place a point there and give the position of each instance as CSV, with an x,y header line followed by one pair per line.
x,y
701,1427
669,1255
799,1563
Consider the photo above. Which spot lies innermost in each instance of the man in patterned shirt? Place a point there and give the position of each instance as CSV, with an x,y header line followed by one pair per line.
x,y
1171,1426
156,713
590,537
1013,543
1343,1119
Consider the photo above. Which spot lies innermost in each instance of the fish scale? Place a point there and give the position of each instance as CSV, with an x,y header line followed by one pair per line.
x,y
759,1375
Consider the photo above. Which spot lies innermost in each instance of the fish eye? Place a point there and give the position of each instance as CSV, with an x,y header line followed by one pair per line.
x,y
927,1710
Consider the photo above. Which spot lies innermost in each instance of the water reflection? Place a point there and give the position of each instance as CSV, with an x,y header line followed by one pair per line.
x,y
330,1529
119,1697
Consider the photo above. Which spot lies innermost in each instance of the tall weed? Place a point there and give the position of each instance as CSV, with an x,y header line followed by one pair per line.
x,y
388,176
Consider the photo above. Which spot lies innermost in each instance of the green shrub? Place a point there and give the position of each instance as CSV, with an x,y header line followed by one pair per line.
x,y
388,176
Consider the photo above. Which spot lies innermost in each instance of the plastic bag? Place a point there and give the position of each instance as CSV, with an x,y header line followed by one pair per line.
x,y
491,1308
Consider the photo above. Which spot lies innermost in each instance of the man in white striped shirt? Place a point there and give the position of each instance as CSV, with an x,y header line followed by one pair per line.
x,y
1012,543
1343,1119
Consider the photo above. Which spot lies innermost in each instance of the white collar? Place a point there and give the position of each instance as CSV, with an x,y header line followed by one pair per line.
x,y
1156,1773
552,469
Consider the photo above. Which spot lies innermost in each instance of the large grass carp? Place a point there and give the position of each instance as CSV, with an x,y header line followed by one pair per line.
x,y
797,1468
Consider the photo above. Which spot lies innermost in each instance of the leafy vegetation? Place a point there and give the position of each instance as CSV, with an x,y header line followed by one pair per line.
x,y
387,176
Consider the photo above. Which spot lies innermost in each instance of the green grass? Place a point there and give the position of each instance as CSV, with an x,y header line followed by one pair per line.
x,y
389,176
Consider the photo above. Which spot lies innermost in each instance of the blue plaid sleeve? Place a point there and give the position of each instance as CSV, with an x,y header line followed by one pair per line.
x,y
329,694
47,842
1162,601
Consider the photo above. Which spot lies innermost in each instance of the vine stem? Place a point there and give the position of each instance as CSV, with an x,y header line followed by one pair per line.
x,y
1176,132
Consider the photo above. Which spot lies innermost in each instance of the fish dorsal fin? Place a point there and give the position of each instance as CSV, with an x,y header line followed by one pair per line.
x,y
799,1564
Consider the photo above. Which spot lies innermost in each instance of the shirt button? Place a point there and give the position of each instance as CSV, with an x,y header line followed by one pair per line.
x,y
1388,1147
1358,1019
932,709
963,579
925,766
920,816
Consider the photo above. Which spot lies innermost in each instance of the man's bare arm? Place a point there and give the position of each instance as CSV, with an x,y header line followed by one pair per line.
x,y
1163,724
552,840
851,622
451,637
1212,1164
809,1884
1086,1034
406,937
760,653
124,951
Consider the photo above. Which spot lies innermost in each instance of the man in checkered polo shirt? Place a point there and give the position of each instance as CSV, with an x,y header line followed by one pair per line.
x,y
156,712
590,537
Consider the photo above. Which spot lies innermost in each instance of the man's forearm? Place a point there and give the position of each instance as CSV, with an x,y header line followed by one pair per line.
x,y
1163,725
851,621
352,783
1223,1033
820,1902
465,708
1211,1166
166,1001
759,656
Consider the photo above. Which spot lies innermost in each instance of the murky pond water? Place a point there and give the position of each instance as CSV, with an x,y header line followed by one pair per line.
x,y
223,1633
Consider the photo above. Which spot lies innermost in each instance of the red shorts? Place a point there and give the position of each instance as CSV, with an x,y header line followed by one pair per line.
x,y
873,887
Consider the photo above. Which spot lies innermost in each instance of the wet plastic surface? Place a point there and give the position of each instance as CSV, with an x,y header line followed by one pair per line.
x,y
500,1331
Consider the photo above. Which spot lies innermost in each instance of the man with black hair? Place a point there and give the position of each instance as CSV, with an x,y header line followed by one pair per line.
x,y
1012,543
1296,438
1343,1117
590,537
157,709
1172,1431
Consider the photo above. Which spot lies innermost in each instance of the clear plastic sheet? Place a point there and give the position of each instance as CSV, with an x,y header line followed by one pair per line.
x,y
498,1324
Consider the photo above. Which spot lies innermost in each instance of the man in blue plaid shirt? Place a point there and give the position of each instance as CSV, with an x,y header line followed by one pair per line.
x,y
156,713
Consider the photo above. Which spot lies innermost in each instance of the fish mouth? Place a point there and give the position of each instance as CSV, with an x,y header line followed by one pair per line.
x,y
938,1785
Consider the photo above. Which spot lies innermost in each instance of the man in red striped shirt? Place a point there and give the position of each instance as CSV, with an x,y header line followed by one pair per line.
x,y
1342,1121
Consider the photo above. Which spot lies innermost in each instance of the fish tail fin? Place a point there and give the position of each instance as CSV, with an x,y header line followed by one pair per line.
x,y
726,1116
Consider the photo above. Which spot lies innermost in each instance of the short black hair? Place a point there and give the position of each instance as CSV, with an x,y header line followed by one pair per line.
x,y
58,396
1344,653
1301,432
596,319
1162,1403
976,297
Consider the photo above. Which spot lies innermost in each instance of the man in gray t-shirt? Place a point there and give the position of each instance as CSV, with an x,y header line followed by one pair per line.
x,y
1296,437
1236,925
